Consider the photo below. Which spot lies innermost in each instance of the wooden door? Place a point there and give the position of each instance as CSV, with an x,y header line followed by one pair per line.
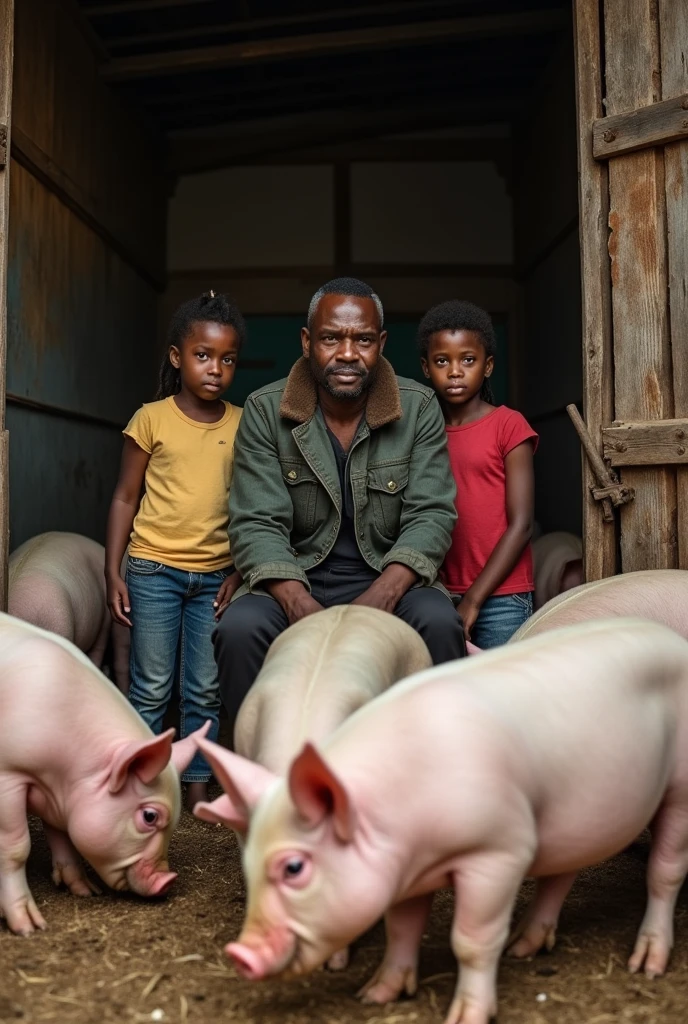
x,y
6,65
632,92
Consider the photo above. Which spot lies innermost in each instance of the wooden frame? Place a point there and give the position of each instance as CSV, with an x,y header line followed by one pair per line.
x,y
653,125
647,443
6,65
599,537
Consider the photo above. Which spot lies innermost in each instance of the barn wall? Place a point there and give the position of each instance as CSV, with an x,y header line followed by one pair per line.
x,y
86,262
548,266
418,232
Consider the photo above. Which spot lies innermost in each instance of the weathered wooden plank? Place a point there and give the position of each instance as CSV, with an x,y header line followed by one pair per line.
x,y
653,125
32,157
6,66
317,44
637,247
599,538
647,443
673,24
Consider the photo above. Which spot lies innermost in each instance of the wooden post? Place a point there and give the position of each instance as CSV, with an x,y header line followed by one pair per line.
x,y
599,537
6,65
637,246
673,24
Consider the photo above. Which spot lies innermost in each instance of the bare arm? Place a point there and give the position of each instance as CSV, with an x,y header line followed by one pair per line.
x,y
519,512
123,509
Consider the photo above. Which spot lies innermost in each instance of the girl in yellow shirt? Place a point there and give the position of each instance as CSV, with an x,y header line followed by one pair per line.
x,y
179,574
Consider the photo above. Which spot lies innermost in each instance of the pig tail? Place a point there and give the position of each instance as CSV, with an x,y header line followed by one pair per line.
x,y
210,306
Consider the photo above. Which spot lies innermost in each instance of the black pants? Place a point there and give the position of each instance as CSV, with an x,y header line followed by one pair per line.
x,y
252,622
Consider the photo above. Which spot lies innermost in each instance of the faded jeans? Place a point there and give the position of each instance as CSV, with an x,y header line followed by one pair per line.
x,y
499,618
172,612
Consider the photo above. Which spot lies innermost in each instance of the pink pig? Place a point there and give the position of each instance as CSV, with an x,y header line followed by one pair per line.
x,y
74,752
535,759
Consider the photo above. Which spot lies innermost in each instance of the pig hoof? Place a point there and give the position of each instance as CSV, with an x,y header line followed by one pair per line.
x,y
651,953
26,919
388,984
467,1011
339,961
74,879
533,939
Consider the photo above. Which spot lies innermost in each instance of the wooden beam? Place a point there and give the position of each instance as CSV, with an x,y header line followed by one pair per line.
x,y
653,125
414,151
673,23
136,6
25,151
637,245
362,270
647,443
6,70
192,152
599,538
320,44
261,24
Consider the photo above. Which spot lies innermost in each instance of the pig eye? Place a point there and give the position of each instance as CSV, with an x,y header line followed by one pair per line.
x,y
150,816
293,867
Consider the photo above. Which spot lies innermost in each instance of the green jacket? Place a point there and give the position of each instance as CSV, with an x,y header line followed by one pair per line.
x,y
285,501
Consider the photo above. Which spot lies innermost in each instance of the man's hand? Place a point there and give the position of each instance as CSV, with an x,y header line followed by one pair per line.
x,y
389,588
229,587
294,599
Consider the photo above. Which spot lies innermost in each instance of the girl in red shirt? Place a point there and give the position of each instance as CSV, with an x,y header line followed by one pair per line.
x,y
489,565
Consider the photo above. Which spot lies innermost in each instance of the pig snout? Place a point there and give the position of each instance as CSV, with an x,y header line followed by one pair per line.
x,y
257,957
146,879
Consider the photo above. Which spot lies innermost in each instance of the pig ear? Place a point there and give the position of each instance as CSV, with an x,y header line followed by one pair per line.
x,y
145,759
243,781
317,792
183,751
224,811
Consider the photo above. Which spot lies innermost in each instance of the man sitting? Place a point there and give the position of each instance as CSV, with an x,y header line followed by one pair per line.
x,y
342,493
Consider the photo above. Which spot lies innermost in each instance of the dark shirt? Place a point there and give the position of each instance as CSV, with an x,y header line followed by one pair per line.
x,y
345,554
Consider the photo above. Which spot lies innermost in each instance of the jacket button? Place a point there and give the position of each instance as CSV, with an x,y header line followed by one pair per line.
x,y
391,486
292,474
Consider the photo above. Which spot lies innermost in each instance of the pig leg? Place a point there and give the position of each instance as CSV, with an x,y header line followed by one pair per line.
x,y
17,905
339,961
538,926
67,866
485,889
398,972
666,872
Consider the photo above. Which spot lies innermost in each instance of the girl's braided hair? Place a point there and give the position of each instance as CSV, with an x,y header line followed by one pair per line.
x,y
207,307
460,316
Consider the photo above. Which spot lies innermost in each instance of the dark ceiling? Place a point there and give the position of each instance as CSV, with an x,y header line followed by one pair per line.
x,y
235,80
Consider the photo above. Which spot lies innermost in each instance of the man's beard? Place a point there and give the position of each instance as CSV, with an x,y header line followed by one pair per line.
x,y
322,377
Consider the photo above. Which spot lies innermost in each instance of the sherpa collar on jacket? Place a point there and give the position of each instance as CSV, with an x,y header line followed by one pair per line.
x,y
300,397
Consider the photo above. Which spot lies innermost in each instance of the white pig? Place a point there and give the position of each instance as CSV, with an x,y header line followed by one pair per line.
x,y
74,752
557,565
316,674
536,759
657,594
57,582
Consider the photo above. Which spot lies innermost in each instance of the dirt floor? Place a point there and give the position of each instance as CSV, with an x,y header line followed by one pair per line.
x,y
119,958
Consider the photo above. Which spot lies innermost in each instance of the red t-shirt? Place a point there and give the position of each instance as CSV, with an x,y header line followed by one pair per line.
x,y
476,452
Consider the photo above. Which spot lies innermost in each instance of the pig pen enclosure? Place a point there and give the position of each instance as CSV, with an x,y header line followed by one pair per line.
x,y
528,155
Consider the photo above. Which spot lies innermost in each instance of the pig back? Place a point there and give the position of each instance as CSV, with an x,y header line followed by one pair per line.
x,y
552,553
660,595
317,673
56,582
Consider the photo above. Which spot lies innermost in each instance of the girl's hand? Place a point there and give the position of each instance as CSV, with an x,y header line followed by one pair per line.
x,y
468,611
118,600
226,592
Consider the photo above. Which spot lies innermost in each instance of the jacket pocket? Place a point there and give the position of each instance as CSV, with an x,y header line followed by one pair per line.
x,y
303,490
386,487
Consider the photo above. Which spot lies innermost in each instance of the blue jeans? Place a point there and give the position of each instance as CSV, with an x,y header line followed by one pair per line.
x,y
499,618
172,612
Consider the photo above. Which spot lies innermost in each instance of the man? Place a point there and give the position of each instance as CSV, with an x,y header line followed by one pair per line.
x,y
342,493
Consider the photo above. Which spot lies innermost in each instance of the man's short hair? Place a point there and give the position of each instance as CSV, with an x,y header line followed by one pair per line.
x,y
345,286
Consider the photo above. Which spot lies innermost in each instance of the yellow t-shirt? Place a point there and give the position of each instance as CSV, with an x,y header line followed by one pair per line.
x,y
184,514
